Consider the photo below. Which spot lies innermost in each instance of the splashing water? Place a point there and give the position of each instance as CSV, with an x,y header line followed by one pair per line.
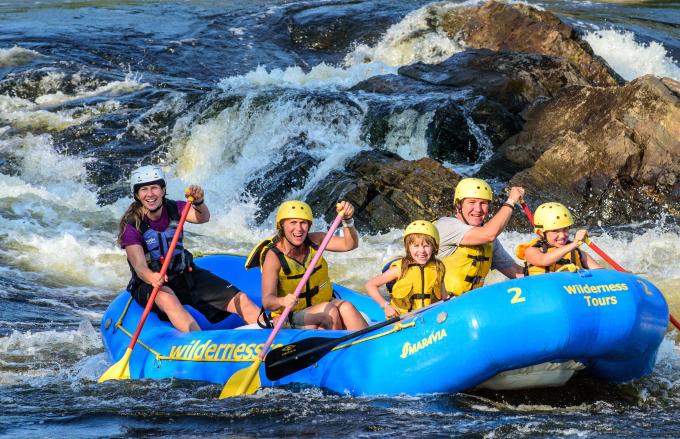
x,y
630,58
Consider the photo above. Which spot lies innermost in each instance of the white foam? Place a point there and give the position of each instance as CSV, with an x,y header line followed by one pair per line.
x,y
224,153
114,88
418,37
16,56
406,136
632,59
320,76
37,349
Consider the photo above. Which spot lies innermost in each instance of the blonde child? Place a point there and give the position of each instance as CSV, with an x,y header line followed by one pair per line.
x,y
552,250
418,277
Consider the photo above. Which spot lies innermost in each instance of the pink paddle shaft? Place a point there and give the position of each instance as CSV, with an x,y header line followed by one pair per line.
x,y
302,283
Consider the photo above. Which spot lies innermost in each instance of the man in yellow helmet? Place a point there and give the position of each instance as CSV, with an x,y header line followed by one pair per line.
x,y
283,261
469,246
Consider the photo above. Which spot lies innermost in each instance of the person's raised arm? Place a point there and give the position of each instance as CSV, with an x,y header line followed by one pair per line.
x,y
199,212
349,239
492,228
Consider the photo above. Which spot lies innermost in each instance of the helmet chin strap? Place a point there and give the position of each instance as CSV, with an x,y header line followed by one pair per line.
x,y
156,209
293,245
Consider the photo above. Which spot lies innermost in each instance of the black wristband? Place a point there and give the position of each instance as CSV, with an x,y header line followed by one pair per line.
x,y
509,205
199,203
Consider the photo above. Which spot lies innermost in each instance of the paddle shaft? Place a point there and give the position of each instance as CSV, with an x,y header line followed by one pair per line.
x,y
164,269
303,281
527,211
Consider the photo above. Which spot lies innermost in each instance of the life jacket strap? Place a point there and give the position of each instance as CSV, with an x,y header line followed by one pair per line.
x,y
474,280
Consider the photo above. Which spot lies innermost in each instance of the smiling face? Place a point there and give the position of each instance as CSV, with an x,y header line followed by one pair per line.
x,y
557,238
474,210
295,230
151,196
420,248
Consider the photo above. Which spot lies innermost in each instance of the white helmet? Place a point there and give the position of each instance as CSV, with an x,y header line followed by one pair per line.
x,y
145,175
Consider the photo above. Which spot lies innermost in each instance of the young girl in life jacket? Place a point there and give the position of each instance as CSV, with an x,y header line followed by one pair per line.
x,y
552,250
418,277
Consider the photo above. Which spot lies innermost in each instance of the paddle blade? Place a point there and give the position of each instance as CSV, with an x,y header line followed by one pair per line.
x,y
119,370
292,357
244,382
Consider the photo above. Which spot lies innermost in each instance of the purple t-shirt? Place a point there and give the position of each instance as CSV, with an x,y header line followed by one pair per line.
x,y
131,236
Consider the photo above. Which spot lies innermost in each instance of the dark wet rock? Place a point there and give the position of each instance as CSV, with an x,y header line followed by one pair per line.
x,y
611,153
522,28
35,83
510,79
476,98
288,172
388,192
335,28
496,121
449,135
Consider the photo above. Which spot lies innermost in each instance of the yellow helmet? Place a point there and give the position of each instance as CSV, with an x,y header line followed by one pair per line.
x,y
293,209
472,188
424,227
552,216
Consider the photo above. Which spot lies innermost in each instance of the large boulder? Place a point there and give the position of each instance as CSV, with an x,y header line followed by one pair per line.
x,y
611,153
388,192
511,79
523,28
475,98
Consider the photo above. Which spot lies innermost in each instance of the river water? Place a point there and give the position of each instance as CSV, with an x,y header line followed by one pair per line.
x,y
218,93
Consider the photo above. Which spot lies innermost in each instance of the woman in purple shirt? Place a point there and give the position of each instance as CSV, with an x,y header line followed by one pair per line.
x,y
146,230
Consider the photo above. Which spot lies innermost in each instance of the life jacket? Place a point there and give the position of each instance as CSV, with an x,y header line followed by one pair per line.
x,y
419,287
318,288
573,257
158,242
467,267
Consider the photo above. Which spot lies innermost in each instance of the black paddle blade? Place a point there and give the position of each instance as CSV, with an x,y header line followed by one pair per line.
x,y
292,357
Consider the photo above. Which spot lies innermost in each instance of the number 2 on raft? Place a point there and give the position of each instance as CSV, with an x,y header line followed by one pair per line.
x,y
517,298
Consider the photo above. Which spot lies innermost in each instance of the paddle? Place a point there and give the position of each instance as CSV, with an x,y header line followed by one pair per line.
x,y
243,382
121,369
292,357
603,255
527,211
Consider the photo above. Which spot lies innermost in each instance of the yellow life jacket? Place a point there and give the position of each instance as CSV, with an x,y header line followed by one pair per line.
x,y
467,267
318,288
573,257
419,287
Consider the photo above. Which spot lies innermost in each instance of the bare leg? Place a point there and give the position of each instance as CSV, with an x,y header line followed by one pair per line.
x,y
244,307
322,316
350,316
180,318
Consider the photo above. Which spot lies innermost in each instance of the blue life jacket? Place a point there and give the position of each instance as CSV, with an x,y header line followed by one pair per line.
x,y
157,243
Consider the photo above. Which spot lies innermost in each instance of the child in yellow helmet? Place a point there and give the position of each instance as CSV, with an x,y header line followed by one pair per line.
x,y
552,250
417,278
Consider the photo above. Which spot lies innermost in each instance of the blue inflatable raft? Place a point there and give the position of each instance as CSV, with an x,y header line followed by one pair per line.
x,y
528,332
